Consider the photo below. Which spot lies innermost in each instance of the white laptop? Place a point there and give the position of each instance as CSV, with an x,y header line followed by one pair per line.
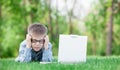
x,y
72,48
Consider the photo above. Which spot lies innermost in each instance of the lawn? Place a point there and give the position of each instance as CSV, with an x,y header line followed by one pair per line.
x,y
92,63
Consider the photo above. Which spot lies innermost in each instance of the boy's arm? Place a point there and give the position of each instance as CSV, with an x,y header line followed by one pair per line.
x,y
47,54
24,53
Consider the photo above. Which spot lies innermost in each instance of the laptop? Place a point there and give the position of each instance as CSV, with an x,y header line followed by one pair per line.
x,y
72,48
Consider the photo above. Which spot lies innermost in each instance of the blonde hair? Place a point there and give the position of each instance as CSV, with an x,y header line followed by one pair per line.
x,y
37,28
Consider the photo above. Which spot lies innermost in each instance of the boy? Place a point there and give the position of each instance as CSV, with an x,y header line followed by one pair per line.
x,y
36,47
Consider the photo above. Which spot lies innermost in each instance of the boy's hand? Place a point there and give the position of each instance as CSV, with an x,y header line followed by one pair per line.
x,y
28,40
46,42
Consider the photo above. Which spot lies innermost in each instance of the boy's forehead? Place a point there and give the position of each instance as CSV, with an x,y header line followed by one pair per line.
x,y
37,36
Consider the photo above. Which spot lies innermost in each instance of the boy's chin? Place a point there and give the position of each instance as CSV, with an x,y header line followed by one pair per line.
x,y
36,49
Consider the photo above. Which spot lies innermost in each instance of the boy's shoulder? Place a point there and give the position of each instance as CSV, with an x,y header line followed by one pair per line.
x,y
23,43
50,45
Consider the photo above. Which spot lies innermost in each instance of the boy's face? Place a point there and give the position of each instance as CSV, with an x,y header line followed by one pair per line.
x,y
37,41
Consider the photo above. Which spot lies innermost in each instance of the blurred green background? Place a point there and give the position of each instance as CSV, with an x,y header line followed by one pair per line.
x,y
97,19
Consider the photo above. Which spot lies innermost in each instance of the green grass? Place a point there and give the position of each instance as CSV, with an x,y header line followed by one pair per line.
x,y
92,63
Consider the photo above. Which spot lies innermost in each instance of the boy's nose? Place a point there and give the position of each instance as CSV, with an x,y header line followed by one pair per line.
x,y
37,43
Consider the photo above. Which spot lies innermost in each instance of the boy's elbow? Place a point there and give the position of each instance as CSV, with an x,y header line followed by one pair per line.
x,y
18,59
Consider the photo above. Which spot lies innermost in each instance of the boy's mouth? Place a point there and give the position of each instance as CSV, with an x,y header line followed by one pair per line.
x,y
37,47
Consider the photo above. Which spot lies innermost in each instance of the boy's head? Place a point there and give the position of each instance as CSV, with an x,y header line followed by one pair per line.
x,y
37,32
38,29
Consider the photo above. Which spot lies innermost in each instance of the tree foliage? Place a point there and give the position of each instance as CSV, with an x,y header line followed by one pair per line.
x,y
16,15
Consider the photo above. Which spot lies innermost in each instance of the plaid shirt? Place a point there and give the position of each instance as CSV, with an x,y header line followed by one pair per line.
x,y
25,53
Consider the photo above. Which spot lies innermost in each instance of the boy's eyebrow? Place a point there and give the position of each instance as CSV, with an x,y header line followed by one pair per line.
x,y
36,39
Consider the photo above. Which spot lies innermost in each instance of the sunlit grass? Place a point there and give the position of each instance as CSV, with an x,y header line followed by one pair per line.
x,y
92,63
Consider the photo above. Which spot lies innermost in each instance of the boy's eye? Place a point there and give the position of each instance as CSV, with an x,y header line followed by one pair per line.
x,y
32,40
35,41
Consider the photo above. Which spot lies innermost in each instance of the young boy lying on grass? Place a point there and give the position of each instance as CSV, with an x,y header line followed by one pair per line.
x,y
36,46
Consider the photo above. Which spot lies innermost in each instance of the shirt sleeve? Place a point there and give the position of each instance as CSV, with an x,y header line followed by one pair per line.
x,y
47,54
24,53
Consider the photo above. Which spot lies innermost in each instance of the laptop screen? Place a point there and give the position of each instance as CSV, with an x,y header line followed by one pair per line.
x,y
72,48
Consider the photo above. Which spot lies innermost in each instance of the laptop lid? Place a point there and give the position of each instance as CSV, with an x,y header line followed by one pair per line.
x,y
72,48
